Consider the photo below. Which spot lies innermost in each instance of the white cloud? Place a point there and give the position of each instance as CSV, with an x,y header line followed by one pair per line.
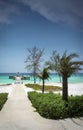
x,y
59,11
6,9
65,11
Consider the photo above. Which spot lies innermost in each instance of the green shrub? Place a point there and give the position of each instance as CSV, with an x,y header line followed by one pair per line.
x,y
3,98
52,106
75,106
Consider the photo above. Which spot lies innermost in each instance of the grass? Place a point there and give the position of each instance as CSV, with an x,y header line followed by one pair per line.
x,y
3,99
52,106
5,84
47,87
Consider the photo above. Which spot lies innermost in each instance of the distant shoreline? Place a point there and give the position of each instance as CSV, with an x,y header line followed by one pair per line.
x,y
5,84
54,78
73,88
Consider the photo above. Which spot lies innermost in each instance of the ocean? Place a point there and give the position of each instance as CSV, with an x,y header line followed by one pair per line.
x,y
54,78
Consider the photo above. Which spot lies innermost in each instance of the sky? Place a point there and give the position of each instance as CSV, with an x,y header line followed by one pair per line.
x,y
47,24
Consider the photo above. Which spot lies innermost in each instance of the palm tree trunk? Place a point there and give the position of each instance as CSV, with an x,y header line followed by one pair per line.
x,y
43,87
65,88
34,78
60,78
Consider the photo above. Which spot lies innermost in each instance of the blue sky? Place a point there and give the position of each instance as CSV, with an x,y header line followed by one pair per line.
x,y
47,24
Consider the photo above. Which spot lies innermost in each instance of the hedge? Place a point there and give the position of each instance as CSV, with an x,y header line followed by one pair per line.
x,y
53,107
3,98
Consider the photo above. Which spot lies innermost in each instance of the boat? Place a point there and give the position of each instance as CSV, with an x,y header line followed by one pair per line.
x,y
11,77
25,78
19,76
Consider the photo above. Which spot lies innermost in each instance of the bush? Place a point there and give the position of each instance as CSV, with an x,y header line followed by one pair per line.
x,y
3,98
75,106
52,106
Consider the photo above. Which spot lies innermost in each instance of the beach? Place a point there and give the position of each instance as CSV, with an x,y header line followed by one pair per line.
x,y
6,89
75,83
73,88
18,114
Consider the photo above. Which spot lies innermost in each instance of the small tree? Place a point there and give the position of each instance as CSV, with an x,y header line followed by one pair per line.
x,y
44,75
33,60
66,66
53,63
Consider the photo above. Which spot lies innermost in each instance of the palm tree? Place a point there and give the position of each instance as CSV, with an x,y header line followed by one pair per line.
x,y
53,63
44,75
66,66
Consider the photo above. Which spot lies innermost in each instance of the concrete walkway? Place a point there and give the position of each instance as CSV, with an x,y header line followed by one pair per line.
x,y
18,114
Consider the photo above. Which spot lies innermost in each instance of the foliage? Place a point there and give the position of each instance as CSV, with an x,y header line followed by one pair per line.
x,y
5,84
53,62
53,107
33,60
3,98
68,65
47,87
44,75
65,65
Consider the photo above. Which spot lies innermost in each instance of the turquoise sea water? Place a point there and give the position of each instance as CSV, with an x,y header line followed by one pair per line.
x,y
54,78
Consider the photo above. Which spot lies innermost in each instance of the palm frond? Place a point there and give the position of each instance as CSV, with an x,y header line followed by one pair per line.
x,y
44,74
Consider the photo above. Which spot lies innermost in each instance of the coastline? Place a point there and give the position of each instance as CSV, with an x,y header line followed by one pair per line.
x,y
73,88
54,78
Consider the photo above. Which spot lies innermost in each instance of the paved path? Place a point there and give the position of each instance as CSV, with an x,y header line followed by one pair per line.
x,y
18,114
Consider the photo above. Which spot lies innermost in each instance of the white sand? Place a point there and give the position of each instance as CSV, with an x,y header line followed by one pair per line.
x,y
6,89
73,88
